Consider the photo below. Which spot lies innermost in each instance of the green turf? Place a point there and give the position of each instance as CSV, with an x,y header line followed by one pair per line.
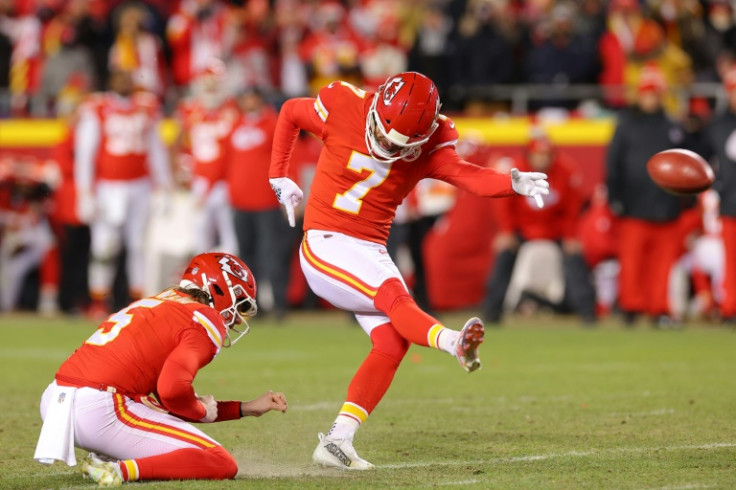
x,y
555,406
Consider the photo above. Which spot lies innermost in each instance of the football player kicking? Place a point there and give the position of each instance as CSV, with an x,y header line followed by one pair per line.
x,y
377,146
102,397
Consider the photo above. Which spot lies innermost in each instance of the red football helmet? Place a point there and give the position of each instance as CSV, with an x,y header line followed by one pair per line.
x,y
230,285
402,117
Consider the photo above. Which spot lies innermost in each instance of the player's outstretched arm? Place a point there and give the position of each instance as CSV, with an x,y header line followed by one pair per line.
x,y
265,403
448,166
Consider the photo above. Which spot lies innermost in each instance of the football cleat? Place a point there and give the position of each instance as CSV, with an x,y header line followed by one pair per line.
x,y
105,473
338,453
466,350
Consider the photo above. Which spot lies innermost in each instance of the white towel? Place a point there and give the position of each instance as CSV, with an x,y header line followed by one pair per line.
x,y
56,441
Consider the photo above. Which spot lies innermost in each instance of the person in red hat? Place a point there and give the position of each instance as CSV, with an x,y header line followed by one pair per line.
x,y
648,215
721,134
521,221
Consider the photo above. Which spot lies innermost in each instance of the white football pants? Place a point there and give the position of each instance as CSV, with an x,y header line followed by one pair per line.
x,y
213,220
121,215
121,428
347,272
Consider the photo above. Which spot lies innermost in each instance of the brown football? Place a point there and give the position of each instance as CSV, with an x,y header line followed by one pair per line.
x,y
680,171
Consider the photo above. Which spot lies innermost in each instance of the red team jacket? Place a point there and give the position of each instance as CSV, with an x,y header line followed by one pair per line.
x,y
558,218
351,192
155,345
248,149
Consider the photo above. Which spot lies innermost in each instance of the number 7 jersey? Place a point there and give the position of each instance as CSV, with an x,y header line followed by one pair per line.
x,y
353,193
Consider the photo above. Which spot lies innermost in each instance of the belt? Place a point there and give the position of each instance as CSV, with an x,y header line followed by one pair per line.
x,y
83,383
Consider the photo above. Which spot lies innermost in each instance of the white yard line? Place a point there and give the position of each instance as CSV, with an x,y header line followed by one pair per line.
x,y
501,400
455,483
661,411
689,486
569,454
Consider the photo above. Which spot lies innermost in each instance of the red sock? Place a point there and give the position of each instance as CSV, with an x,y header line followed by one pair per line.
x,y
374,376
407,318
213,463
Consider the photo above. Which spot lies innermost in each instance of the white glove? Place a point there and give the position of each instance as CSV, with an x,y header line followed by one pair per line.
x,y
210,404
86,206
289,194
530,184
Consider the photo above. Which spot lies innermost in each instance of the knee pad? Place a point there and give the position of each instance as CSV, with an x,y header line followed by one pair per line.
x,y
387,341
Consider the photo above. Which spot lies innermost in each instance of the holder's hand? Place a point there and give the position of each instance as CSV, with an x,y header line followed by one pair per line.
x,y
210,404
264,403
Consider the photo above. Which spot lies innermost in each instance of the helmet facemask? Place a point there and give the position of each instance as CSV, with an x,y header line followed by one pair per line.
x,y
242,306
228,286
386,149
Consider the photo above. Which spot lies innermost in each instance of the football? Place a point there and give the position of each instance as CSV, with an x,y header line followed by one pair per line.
x,y
680,171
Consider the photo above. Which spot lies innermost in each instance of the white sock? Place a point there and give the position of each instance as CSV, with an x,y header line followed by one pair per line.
x,y
448,340
344,428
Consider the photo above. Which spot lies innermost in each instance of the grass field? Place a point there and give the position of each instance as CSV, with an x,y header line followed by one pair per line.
x,y
555,406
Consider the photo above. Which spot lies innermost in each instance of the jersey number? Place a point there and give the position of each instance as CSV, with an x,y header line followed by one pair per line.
x,y
352,199
125,134
110,329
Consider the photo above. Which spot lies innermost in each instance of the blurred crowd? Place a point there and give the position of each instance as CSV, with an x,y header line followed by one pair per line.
x,y
76,226
53,50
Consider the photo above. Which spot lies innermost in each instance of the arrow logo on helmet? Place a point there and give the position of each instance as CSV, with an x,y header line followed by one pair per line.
x,y
233,268
392,89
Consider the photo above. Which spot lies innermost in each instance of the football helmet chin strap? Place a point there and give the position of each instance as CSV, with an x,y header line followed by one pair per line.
x,y
407,152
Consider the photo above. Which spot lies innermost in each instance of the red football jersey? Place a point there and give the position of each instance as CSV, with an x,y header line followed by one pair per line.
x,y
125,126
206,130
353,193
155,345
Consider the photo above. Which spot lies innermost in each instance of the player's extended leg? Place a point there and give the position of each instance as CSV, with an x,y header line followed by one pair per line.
x,y
365,391
420,328
358,275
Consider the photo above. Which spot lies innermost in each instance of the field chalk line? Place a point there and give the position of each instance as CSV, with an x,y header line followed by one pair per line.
x,y
575,454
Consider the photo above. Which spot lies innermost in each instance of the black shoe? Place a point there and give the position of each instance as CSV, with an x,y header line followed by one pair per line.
x,y
589,319
492,318
666,322
629,317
